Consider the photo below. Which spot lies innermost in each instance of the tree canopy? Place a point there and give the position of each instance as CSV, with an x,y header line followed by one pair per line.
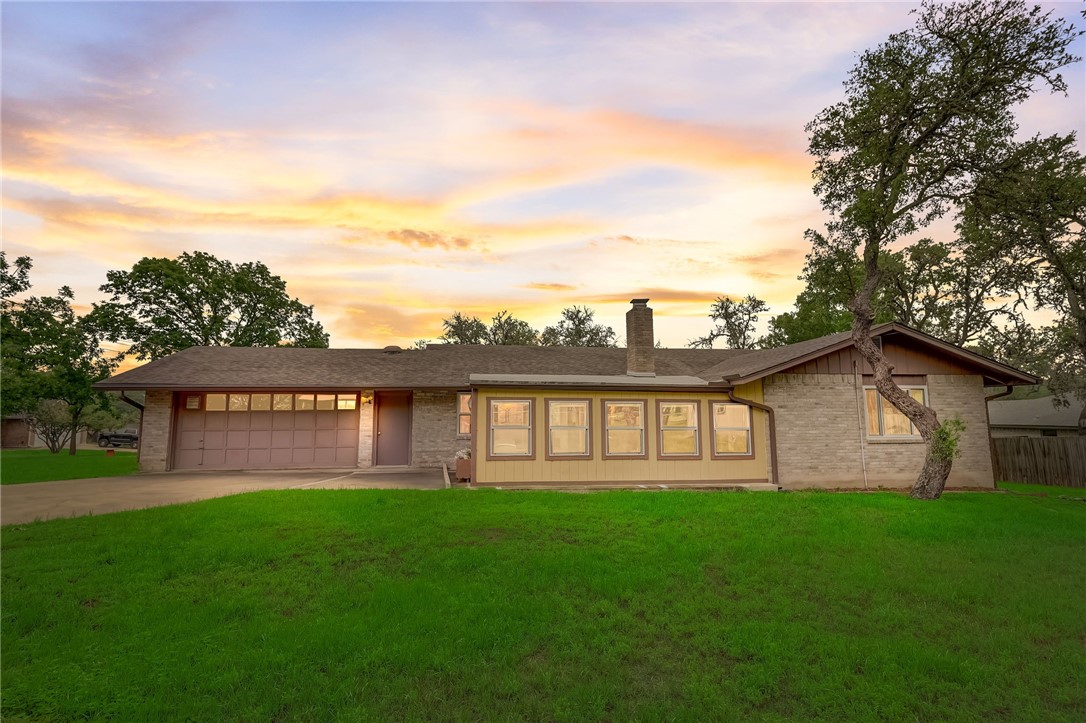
x,y
163,305
736,323
578,328
925,114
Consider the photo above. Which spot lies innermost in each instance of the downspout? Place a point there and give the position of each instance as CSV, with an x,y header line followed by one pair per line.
x,y
860,418
775,472
988,422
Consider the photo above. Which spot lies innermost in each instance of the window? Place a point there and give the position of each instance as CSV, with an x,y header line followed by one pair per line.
x,y
883,418
463,414
283,402
346,401
260,402
624,429
192,401
239,402
679,429
326,401
731,429
303,402
567,428
216,403
510,428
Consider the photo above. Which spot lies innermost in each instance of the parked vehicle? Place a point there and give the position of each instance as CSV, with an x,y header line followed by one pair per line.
x,y
118,439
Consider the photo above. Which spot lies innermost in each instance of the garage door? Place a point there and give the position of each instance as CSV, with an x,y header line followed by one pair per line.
x,y
266,431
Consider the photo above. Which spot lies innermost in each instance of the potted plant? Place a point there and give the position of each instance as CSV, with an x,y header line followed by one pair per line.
x,y
463,464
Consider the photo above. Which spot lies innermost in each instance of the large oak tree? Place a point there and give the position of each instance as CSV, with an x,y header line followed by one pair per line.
x,y
924,113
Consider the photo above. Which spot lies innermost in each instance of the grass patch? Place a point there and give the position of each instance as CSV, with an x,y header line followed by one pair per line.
x,y
19,466
1041,489
318,605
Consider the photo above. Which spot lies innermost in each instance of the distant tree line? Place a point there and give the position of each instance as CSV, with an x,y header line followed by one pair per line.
x,y
576,327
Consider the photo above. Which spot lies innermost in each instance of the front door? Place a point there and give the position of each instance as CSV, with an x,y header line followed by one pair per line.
x,y
393,428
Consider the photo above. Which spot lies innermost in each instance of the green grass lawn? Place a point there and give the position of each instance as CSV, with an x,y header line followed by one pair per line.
x,y
319,605
1024,488
18,466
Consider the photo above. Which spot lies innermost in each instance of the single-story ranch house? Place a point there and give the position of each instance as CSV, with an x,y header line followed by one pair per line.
x,y
803,415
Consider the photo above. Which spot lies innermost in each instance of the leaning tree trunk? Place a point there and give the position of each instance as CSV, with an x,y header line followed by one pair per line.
x,y
933,475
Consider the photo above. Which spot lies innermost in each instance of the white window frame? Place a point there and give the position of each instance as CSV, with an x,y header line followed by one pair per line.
x,y
643,454
749,429
695,428
879,402
530,454
460,415
586,428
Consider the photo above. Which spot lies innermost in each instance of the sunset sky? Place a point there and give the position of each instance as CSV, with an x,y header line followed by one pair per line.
x,y
396,162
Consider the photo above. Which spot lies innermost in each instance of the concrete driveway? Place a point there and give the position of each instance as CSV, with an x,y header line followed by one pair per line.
x,y
68,498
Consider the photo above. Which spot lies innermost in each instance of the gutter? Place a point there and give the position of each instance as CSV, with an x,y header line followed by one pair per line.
x,y
774,469
130,400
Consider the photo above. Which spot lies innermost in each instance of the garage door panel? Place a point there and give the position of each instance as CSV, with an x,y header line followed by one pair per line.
x,y
215,420
266,439
214,440
237,439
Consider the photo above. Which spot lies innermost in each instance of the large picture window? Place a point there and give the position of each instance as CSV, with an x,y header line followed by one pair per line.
x,y
679,429
624,428
568,428
510,428
883,418
463,414
731,430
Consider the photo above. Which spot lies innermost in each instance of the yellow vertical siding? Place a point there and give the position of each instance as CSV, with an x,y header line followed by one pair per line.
x,y
600,470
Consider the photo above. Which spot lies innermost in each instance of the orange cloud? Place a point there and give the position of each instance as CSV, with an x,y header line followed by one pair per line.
x,y
548,287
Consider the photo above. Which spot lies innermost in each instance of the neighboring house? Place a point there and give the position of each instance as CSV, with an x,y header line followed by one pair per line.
x,y
15,431
803,415
1033,418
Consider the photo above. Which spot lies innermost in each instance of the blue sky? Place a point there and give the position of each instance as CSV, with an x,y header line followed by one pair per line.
x,y
394,162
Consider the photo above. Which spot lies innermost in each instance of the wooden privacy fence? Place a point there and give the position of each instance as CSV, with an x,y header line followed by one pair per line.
x,y
1041,460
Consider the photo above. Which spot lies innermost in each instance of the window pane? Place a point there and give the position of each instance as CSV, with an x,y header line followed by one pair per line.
x,y
621,414
872,402
917,394
216,402
569,414
465,425
261,402
326,401
192,401
346,401
463,402
679,441
624,441
893,421
732,441
515,414
731,415
511,441
304,401
569,441
678,415
283,402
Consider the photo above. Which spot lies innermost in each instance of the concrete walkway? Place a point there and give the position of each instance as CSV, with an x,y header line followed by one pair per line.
x,y
68,498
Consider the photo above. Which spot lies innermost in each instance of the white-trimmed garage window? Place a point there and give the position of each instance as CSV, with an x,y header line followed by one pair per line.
x,y
326,401
679,433
260,402
239,402
463,414
215,403
282,402
510,428
883,418
304,402
567,428
346,401
624,428
731,429
192,401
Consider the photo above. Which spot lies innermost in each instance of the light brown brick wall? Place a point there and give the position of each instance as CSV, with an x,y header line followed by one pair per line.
x,y
433,429
155,432
819,430
365,430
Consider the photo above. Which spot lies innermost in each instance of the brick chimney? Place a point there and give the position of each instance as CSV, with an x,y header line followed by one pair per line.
x,y
640,341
